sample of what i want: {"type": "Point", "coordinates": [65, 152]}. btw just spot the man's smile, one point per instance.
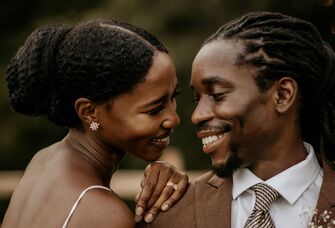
{"type": "Point", "coordinates": [212, 137]}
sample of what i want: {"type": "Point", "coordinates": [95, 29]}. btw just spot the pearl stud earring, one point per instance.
{"type": "Point", "coordinates": [94, 126]}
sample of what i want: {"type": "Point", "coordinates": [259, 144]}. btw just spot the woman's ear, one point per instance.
{"type": "Point", "coordinates": [86, 110]}
{"type": "Point", "coordinates": [286, 94]}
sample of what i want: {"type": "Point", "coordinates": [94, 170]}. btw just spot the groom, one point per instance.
{"type": "Point", "coordinates": [264, 85]}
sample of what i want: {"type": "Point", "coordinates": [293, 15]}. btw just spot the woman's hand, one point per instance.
{"type": "Point", "coordinates": [163, 185]}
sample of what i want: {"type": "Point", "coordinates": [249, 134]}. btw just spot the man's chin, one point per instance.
{"type": "Point", "coordinates": [227, 169]}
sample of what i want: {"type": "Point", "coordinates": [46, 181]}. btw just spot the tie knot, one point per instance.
{"type": "Point", "coordinates": [265, 195]}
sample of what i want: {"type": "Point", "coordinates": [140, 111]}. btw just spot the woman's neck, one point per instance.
{"type": "Point", "coordinates": [103, 159]}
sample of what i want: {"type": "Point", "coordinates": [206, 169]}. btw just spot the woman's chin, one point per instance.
{"type": "Point", "coordinates": [151, 157]}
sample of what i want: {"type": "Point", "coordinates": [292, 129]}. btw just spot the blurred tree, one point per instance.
{"type": "Point", "coordinates": [17, 18]}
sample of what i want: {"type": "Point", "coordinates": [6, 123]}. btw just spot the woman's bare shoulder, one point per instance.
{"type": "Point", "coordinates": [102, 208]}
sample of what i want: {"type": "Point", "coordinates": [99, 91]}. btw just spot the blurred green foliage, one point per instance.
{"type": "Point", "coordinates": [182, 25]}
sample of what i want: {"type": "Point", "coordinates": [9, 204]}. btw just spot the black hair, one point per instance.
{"type": "Point", "coordinates": [98, 59]}
{"type": "Point", "coordinates": [279, 45]}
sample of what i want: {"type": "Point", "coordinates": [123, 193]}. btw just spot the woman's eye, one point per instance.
{"type": "Point", "coordinates": [155, 111]}
{"type": "Point", "coordinates": [176, 93]}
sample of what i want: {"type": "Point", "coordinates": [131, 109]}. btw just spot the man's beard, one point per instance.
{"type": "Point", "coordinates": [232, 164]}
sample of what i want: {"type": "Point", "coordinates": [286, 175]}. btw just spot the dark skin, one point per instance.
{"type": "Point", "coordinates": [156, 175]}
{"type": "Point", "coordinates": [57, 174]}
{"type": "Point", "coordinates": [236, 118]}
{"type": "Point", "coordinates": [59, 167]}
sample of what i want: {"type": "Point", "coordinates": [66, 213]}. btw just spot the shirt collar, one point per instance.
{"type": "Point", "coordinates": [290, 183]}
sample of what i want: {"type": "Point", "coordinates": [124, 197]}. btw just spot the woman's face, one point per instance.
{"type": "Point", "coordinates": [140, 122]}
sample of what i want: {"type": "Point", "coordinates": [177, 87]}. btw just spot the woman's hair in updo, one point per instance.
{"type": "Point", "coordinates": [98, 59]}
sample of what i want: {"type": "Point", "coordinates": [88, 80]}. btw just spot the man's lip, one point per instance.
{"type": "Point", "coordinates": [205, 133]}
{"type": "Point", "coordinates": [211, 147]}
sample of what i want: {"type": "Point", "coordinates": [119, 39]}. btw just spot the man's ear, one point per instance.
{"type": "Point", "coordinates": [286, 94]}
{"type": "Point", "coordinates": [86, 110]}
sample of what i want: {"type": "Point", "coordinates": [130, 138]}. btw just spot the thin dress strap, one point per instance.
{"type": "Point", "coordinates": [79, 198]}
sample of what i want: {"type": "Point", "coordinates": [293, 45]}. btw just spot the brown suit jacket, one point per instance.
{"type": "Point", "coordinates": [207, 203]}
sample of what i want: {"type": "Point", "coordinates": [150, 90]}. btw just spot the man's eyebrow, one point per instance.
{"type": "Point", "coordinates": [209, 81]}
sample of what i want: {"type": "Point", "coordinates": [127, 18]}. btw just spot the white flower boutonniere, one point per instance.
{"type": "Point", "coordinates": [326, 219]}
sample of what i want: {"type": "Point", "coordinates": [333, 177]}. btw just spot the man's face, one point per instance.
{"type": "Point", "coordinates": [235, 121]}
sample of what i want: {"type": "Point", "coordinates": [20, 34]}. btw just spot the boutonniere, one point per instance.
{"type": "Point", "coordinates": [324, 219]}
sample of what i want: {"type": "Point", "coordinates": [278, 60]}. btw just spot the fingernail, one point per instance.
{"type": "Point", "coordinates": [149, 218]}
{"type": "Point", "coordinates": [139, 211]}
{"type": "Point", "coordinates": [165, 207]}
{"type": "Point", "coordinates": [138, 218]}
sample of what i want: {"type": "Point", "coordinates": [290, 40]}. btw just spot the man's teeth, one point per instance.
{"type": "Point", "coordinates": [164, 140]}
{"type": "Point", "coordinates": [210, 139]}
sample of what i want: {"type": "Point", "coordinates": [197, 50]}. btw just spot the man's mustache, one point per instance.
{"type": "Point", "coordinates": [224, 127]}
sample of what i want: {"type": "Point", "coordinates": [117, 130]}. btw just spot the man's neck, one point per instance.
{"type": "Point", "coordinates": [284, 156]}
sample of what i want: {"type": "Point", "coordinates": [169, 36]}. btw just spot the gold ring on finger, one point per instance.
{"type": "Point", "coordinates": [172, 185]}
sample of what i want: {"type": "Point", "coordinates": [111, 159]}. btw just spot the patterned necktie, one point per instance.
{"type": "Point", "coordinates": [260, 216]}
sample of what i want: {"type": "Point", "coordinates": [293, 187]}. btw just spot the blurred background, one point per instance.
{"type": "Point", "coordinates": [182, 25]}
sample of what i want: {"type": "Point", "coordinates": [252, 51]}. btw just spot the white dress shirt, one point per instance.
{"type": "Point", "coordinates": [298, 186]}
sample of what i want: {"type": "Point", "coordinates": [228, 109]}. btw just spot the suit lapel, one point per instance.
{"type": "Point", "coordinates": [326, 199]}
{"type": "Point", "coordinates": [213, 203]}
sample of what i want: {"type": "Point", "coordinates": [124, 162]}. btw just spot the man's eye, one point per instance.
{"type": "Point", "coordinates": [196, 99]}
{"type": "Point", "coordinates": [155, 111]}
{"type": "Point", "coordinates": [218, 96]}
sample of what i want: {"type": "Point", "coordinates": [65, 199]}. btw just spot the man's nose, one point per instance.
{"type": "Point", "coordinates": [202, 112]}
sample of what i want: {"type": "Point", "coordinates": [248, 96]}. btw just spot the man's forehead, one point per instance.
{"type": "Point", "coordinates": [219, 49]}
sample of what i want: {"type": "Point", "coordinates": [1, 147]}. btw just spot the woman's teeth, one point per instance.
{"type": "Point", "coordinates": [164, 140]}
{"type": "Point", "coordinates": [210, 139]}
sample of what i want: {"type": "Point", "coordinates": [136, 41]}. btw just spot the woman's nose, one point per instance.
{"type": "Point", "coordinates": [172, 119]}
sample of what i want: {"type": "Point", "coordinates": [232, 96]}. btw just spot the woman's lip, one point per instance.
{"type": "Point", "coordinates": [161, 142]}
{"type": "Point", "coordinates": [162, 136]}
